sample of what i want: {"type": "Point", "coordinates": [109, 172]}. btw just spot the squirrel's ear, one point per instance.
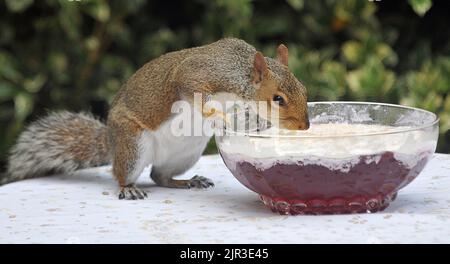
{"type": "Point", "coordinates": [259, 67]}
{"type": "Point", "coordinates": [282, 54]}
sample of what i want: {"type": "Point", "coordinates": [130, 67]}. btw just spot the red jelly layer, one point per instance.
{"type": "Point", "coordinates": [297, 188]}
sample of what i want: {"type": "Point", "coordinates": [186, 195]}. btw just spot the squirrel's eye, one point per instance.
{"type": "Point", "coordinates": [279, 99]}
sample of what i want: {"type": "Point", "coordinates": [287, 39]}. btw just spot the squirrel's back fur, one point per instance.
{"type": "Point", "coordinates": [60, 142]}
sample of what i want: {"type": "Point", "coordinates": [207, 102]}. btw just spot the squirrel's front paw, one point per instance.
{"type": "Point", "coordinates": [131, 192]}
{"type": "Point", "coordinates": [200, 182]}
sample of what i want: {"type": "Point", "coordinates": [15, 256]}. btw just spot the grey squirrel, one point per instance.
{"type": "Point", "coordinates": [137, 131]}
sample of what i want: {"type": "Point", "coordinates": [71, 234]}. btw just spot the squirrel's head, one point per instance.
{"type": "Point", "coordinates": [277, 86]}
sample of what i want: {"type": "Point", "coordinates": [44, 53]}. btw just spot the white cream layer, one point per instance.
{"type": "Point", "coordinates": [337, 153]}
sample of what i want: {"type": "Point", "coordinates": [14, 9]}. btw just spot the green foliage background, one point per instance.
{"type": "Point", "coordinates": [76, 54]}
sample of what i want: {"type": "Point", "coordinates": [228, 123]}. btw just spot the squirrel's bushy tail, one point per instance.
{"type": "Point", "coordinates": [60, 142]}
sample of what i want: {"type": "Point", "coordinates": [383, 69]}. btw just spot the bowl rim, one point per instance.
{"type": "Point", "coordinates": [393, 131]}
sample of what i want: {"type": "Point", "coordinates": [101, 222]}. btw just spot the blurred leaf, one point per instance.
{"type": "Point", "coordinates": [334, 84]}
{"type": "Point", "coordinates": [352, 51]}
{"type": "Point", "coordinates": [33, 85]}
{"type": "Point", "coordinates": [99, 10]}
{"type": "Point", "coordinates": [296, 4]}
{"type": "Point", "coordinates": [385, 53]}
{"type": "Point", "coordinates": [70, 19]}
{"type": "Point", "coordinates": [58, 62]}
{"type": "Point", "coordinates": [159, 42]}
{"type": "Point", "coordinates": [23, 105]}
{"type": "Point", "coordinates": [447, 104]}
{"type": "Point", "coordinates": [371, 81]}
{"type": "Point", "coordinates": [18, 5]}
{"type": "Point", "coordinates": [92, 43]}
{"type": "Point", "coordinates": [420, 6]}
{"type": "Point", "coordinates": [432, 101]}
{"type": "Point", "coordinates": [444, 123]}
{"type": "Point", "coordinates": [353, 10]}
{"type": "Point", "coordinates": [432, 75]}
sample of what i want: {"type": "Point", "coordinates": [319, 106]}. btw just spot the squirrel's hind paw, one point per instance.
{"type": "Point", "coordinates": [131, 192]}
{"type": "Point", "coordinates": [200, 182]}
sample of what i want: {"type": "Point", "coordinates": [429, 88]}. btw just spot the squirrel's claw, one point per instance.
{"type": "Point", "coordinates": [131, 192]}
{"type": "Point", "coordinates": [200, 182]}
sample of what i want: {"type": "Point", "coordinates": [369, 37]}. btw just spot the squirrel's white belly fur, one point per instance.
{"type": "Point", "coordinates": [167, 152]}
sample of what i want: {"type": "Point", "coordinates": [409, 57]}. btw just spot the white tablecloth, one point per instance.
{"type": "Point", "coordinates": [83, 208]}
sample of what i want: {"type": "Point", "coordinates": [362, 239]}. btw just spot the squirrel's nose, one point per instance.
{"type": "Point", "coordinates": [304, 125]}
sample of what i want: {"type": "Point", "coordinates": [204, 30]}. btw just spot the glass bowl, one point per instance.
{"type": "Point", "coordinates": [353, 159]}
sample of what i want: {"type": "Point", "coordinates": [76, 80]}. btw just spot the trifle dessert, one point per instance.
{"type": "Point", "coordinates": [353, 159]}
